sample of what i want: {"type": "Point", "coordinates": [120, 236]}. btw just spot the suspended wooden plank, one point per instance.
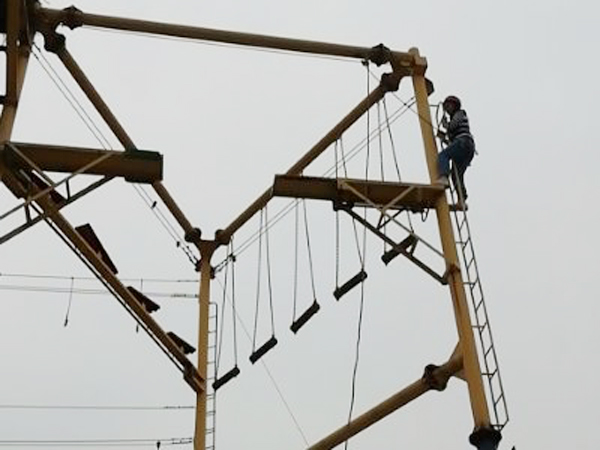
{"type": "Point", "coordinates": [410, 196]}
{"type": "Point", "coordinates": [88, 234]}
{"type": "Point", "coordinates": [148, 304]}
{"type": "Point", "coordinates": [186, 348]}
{"type": "Point", "coordinates": [219, 382]}
{"type": "Point", "coordinates": [263, 349]}
{"type": "Point", "coordinates": [305, 317]}
{"type": "Point", "coordinates": [350, 284]}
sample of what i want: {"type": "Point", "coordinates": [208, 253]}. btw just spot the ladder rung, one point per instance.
{"type": "Point", "coordinates": [489, 374]}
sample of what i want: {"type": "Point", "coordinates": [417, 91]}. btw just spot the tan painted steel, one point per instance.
{"type": "Point", "coordinates": [382, 194]}
{"type": "Point", "coordinates": [13, 29]}
{"type": "Point", "coordinates": [385, 408]}
{"type": "Point", "coordinates": [139, 166]}
{"type": "Point", "coordinates": [334, 134]}
{"type": "Point", "coordinates": [411, 63]}
{"type": "Point", "coordinates": [51, 211]}
{"type": "Point", "coordinates": [74, 18]}
{"type": "Point", "coordinates": [88, 88]}
{"type": "Point", "coordinates": [207, 249]}
{"type": "Point", "coordinates": [472, 369]}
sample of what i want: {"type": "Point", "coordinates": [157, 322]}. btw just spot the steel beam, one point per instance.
{"type": "Point", "coordinates": [396, 401]}
{"type": "Point", "coordinates": [13, 29]}
{"type": "Point", "coordinates": [472, 369]}
{"type": "Point", "coordinates": [136, 166]}
{"type": "Point", "coordinates": [191, 375]}
{"type": "Point", "coordinates": [55, 43]}
{"type": "Point", "coordinates": [73, 18]}
{"type": "Point", "coordinates": [223, 236]}
{"type": "Point", "coordinates": [380, 193]}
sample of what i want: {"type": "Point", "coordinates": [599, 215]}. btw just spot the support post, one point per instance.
{"type": "Point", "coordinates": [468, 349]}
{"type": "Point", "coordinates": [13, 25]}
{"type": "Point", "coordinates": [207, 249]}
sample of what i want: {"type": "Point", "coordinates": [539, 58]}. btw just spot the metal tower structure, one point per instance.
{"type": "Point", "coordinates": [23, 168]}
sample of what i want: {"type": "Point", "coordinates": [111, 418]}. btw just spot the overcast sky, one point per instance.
{"type": "Point", "coordinates": [226, 120]}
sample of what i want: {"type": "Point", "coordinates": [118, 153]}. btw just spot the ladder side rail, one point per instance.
{"type": "Point", "coordinates": [473, 281]}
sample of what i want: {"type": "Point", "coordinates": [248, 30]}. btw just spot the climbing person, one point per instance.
{"type": "Point", "coordinates": [460, 147]}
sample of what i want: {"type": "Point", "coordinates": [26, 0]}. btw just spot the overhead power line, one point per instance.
{"type": "Point", "coordinates": [99, 407]}
{"type": "Point", "coordinates": [97, 442]}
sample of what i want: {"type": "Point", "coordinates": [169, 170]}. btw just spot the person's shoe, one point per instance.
{"type": "Point", "coordinates": [443, 181]}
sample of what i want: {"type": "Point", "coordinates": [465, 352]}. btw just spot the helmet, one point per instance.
{"type": "Point", "coordinates": [452, 99]}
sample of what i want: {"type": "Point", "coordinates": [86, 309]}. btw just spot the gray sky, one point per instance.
{"type": "Point", "coordinates": [226, 120]}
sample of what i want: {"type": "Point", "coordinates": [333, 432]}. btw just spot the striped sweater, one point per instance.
{"type": "Point", "coordinates": [458, 125]}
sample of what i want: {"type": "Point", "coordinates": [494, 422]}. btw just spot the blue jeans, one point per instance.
{"type": "Point", "coordinates": [460, 152]}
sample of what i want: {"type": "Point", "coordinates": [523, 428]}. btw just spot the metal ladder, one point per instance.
{"type": "Point", "coordinates": [485, 343]}
{"type": "Point", "coordinates": [211, 371]}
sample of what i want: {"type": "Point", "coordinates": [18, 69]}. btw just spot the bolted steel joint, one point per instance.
{"type": "Point", "coordinates": [54, 42]}
{"type": "Point", "coordinates": [390, 82]}
{"type": "Point", "coordinates": [193, 235]}
{"type": "Point", "coordinates": [380, 55]}
{"type": "Point", "coordinates": [485, 438]}
{"type": "Point", "coordinates": [435, 378]}
{"type": "Point", "coordinates": [73, 17]}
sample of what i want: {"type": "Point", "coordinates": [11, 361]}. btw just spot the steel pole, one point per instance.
{"type": "Point", "coordinates": [223, 236]}
{"type": "Point", "coordinates": [396, 401]}
{"type": "Point", "coordinates": [206, 250]}
{"type": "Point", "coordinates": [459, 300]}
{"type": "Point", "coordinates": [72, 17]}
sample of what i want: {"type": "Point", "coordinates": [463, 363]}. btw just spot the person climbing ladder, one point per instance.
{"type": "Point", "coordinates": [460, 149]}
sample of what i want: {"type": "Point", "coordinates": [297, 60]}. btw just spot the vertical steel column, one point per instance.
{"type": "Point", "coordinates": [461, 310]}
{"type": "Point", "coordinates": [13, 25]}
{"type": "Point", "coordinates": [207, 249]}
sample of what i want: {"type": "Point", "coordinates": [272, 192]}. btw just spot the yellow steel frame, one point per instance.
{"type": "Point", "coordinates": [24, 17]}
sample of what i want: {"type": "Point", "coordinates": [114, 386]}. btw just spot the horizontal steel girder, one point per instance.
{"type": "Point", "coordinates": [135, 166]}
{"type": "Point", "coordinates": [379, 193]}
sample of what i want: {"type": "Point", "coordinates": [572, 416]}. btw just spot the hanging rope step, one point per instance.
{"type": "Point", "coordinates": [227, 377]}
{"type": "Point", "coordinates": [305, 317]}
{"type": "Point", "coordinates": [263, 349]}
{"type": "Point", "coordinates": [272, 342]}
{"type": "Point", "coordinates": [350, 284]}
{"type": "Point", "coordinates": [407, 245]}
{"type": "Point", "coordinates": [300, 321]}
